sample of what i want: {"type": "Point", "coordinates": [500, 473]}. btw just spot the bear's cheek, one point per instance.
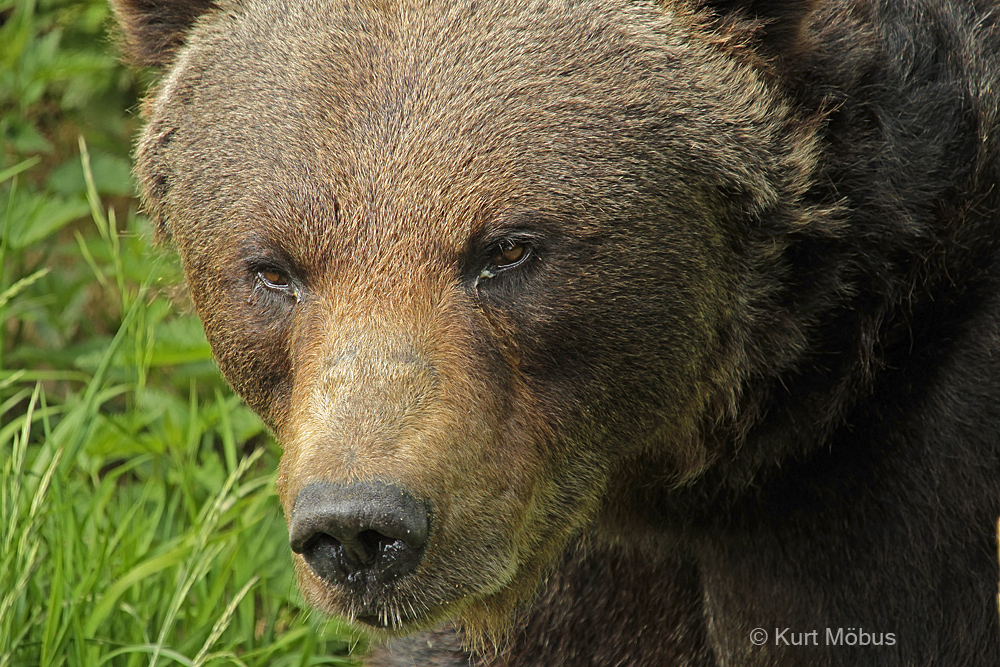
{"type": "Point", "coordinates": [248, 330]}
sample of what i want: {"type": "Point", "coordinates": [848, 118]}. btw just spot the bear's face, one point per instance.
{"type": "Point", "coordinates": [469, 262]}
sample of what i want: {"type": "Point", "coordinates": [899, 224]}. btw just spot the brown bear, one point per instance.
{"type": "Point", "coordinates": [615, 332]}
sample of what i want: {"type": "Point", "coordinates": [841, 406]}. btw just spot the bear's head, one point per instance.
{"type": "Point", "coordinates": [474, 263]}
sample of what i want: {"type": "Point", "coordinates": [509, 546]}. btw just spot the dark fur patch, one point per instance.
{"type": "Point", "coordinates": [153, 30]}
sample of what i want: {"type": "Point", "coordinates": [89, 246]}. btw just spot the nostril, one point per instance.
{"type": "Point", "coordinates": [372, 542]}
{"type": "Point", "coordinates": [324, 555]}
{"type": "Point", "coordinates": [371, 529]}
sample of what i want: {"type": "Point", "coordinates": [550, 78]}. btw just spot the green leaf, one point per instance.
{"type": "Point", "coordinates": [112, 176]}
{"type": "Point", "coordinates": [18, 168]}
{"type": "Point", "coordinates": [35, 216]}
{"type": "Point", "coordinates": [143, 570]}
{"type": "Point", "coordinates": [22, 135]}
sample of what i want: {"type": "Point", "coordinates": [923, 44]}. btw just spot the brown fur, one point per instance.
{"type": "Point", "coordinates": [719, 281]}
{"type": "Point", "coordinates": [469, 431]}
{"type": "Point", "coordinates": [153, 31]}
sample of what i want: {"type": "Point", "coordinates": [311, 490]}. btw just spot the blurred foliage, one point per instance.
{"type": "Point", "coordinates": [59, 80]}
{"type": "Point", "coordinates": [138, 518]}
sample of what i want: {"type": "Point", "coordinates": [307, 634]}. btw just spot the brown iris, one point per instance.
{"type": "Point", "coordinates": [274, 278]}
{"type": "Point", "coordinates": [509, 253]}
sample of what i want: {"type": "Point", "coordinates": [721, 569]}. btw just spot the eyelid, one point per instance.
{"type": "Point", "coordinates": [508, 235]}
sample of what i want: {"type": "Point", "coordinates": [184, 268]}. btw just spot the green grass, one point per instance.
{"type": "Point", "coordinates": [138, 519]}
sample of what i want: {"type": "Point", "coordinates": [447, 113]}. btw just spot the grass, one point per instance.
{"type": "Point", "coordinates": [138, 518]}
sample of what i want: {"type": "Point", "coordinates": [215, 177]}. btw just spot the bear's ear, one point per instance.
{"type": "Point", "coordinates": [154, 29]}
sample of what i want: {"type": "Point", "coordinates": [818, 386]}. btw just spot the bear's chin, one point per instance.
{"type": "Point", "coordinates": [487, 614]}
{"type": "Point", "coordinates": [389, 614]}
{"type": "Point", "coordinates": [403, 607]}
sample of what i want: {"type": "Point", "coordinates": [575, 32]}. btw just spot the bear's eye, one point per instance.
{"type": "Point", "coordinates": [509, 253]}
{"type": "Point", "coordinates": [272, 278]}
{"type": "Point", "coordinates": [277, 281]}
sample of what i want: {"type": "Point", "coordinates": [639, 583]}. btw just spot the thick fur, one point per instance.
{"type": "Point", "coordinates": [747, 376]}
{"type": "Point", "coordinates": [153, 30]}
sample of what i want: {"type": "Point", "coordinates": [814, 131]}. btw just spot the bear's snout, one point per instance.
{"type": "Point", "coordinates": [362, 535]}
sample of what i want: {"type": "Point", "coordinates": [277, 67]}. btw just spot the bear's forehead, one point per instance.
{"type": "Point", "coordinates": [423, 119]}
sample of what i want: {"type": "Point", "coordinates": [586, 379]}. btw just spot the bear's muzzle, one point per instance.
{"type": "Point", "coordinates": [362, 536]}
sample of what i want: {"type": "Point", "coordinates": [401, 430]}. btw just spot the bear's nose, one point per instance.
{"type": "Point", "coordinates": [359, 535]}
